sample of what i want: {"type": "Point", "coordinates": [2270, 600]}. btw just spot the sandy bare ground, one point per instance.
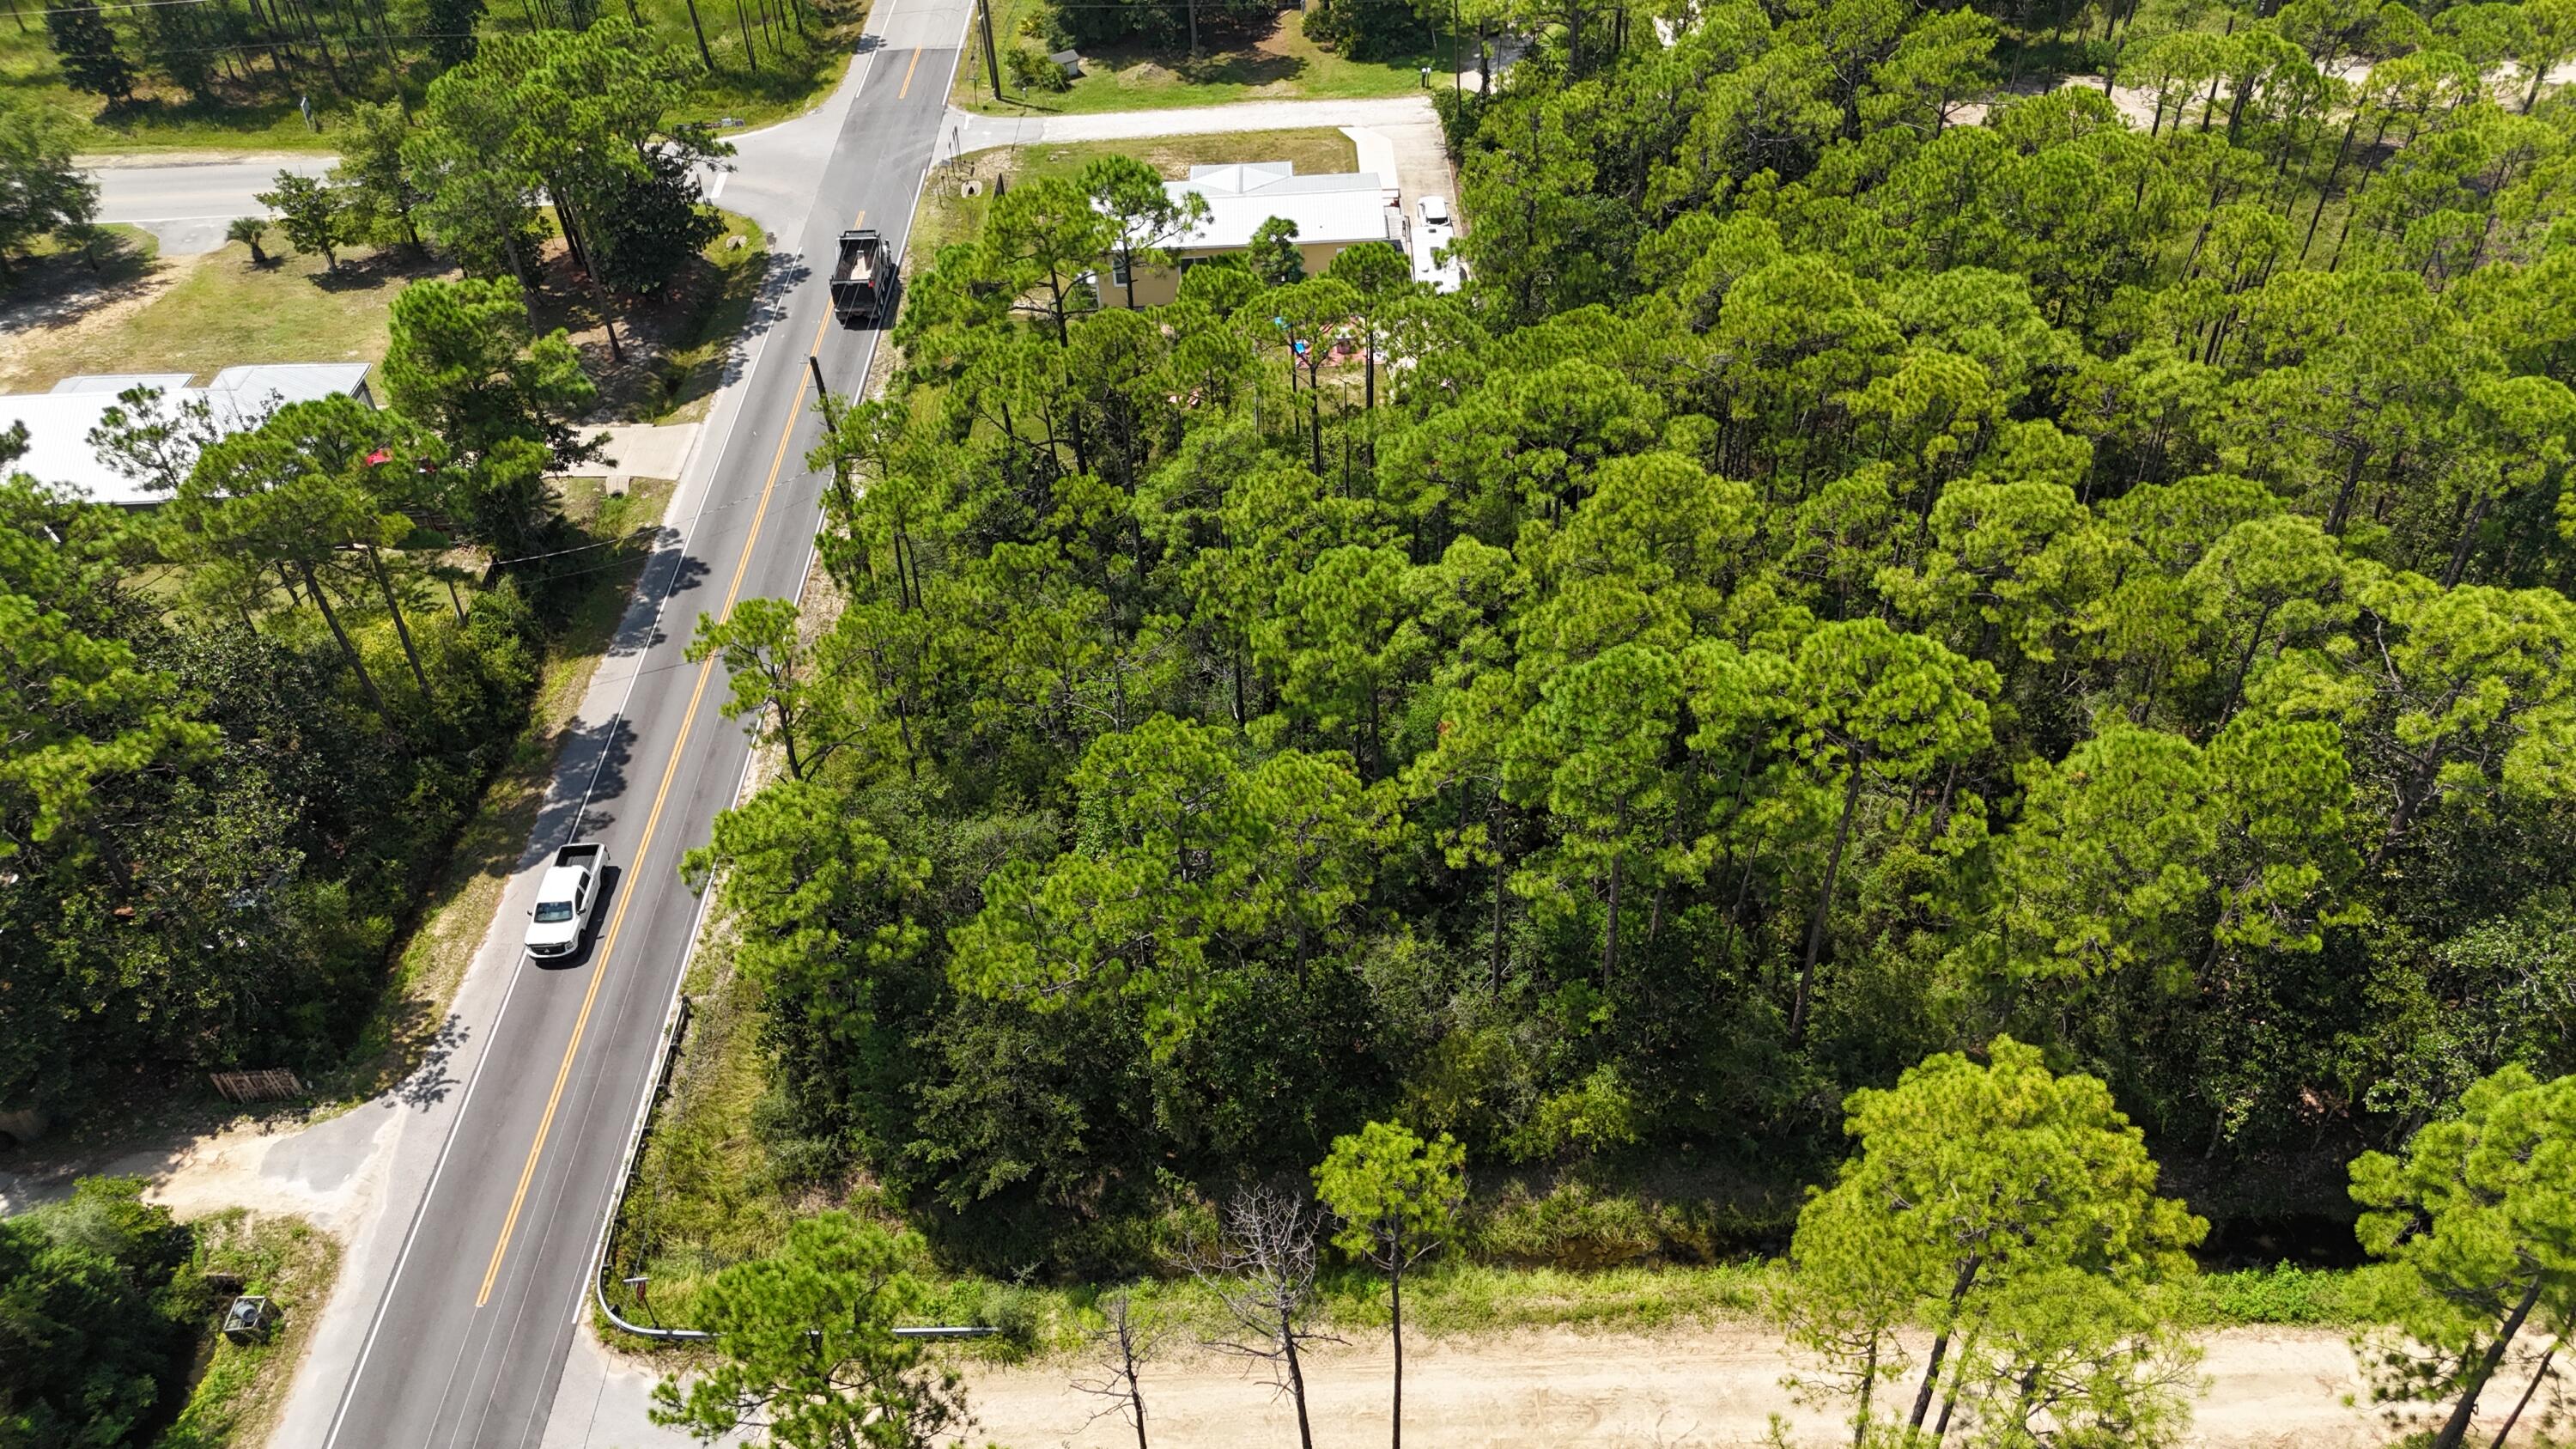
{"type": "Point", "coordinates": [83, 307]}
{"type": "Point", "coordinates": [2268, 1389]}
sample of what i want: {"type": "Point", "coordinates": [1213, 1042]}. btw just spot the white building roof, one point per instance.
{"type": "Point", "coordinates": [1340, 208]}
{"type": "Point", "coordinates": [294, 381]}
{"type": "Point", "coordinates": [116, 382]}
{"type": "Point", "coordinates": [59, 422]}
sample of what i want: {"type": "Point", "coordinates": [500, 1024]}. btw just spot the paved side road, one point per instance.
{"type": "Point", "coordinates": [186, 205]}
{"type": "Point", "coordinates": [977, 133]}
{"type": "Point", "coordinates": [187, 202]}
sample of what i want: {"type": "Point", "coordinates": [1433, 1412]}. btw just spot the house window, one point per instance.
{"type": "Point", "coordinates": [1118, 269]}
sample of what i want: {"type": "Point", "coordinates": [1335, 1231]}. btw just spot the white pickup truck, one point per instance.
{"type": "Point", "coordinates": [566, 899]}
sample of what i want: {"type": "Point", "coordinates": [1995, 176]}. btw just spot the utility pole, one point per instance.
{"type": "Point", "coordinates": [992, 57]}
{"type": "Point", "coordinates": [832, 425]}
{"type": "Point", "coordinates": [822, 393]}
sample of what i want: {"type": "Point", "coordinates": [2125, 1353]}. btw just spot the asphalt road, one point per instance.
{"type": "Point", "coordinates": [468, 1344]}
{"type": "Point", "coordinates": [188, 206]}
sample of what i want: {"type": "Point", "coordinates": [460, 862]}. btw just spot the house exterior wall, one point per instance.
{"type": "Point", "coordinates": [1156, 286]}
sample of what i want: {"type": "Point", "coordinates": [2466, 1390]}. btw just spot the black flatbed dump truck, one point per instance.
{"type": "Point", "coordinates": [862, 278]}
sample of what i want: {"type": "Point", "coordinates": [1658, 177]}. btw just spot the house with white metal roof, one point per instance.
{"type": "Point", "coordinates": [1331, 211]}
{"type": "Point", "coordinates": [238, 398]}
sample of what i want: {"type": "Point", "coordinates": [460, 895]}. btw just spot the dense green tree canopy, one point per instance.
{"type": "Point", "coordinates": [1854, 575]}
{"type": "Point", "coordinates": [41, 191]}
{"type": "Point", "coordinates": [99, 1311]}
{"type": "Point", "coordinates": [806, 1358]}
{"type": "Point", "coordinates": [239, 731]}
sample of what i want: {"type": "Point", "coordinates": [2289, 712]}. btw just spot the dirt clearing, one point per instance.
{"type": "Point", "coordinates": [2269, 1389]}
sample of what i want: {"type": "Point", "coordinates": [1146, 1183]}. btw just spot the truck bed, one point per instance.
{"type": "Point", "coordinates": [857, 261]}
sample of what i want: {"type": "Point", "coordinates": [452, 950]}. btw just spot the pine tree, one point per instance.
{"type": "Point", "coordinates": [86, 45]}
{"type": "Point", "coordinates": [451, 31]}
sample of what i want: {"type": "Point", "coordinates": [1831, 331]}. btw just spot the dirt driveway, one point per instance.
{"type": "Point", "coordinates": [2269, 1389]}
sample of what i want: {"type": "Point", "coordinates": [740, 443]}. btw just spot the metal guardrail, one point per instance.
{"type": "Point", "coordinates": [674, 1027]}
{"type": "Point", "coordinates": [675, 1022]}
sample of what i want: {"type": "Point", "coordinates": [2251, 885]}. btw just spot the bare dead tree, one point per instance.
{"type": "Point", "coordinates": [1125, 1343]}
{"type": "Point", "coordinates": [1263, 1272]}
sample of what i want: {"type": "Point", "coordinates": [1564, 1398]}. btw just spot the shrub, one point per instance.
{"type": "Point", "coordinates": [101, 1311]}
{"type": "Point", "coordinates": [1033, 71]}
{"type": "Point", "coordinates": [1367, 29]}
{"type": "Point", "coordinates": [2281, 1294]}
{"type": "Point", "coordinates": [1460, 112]}
{"type": "Point", "coordinates": [1572, 1225]}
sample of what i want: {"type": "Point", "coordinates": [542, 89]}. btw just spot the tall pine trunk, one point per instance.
{"type": "Point", "coordinates": [402, 630]}
{"type": "Point", "coordinates": [1824, 906]}
{"type": "Point", "coordinates": [2455, 1430]}
{"type": "Point", "coordinates": [1395, 1319]}
{"type": "Point", "coordinates": [1941, 1342]}
{"type": "Point", "coordinates": [348, 650]}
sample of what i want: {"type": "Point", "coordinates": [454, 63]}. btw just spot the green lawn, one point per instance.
{"type": "Point", "coordinates": [203, 313]}
{"type": "Point", "coordinates": [49, 277]}
{"type": "Point", "coordinates": [142, 313]}
{"type": "Point", "coordinates": [761, 73]}
{"type": "Point", "coordinates": [1278, 66]}
{"type": "Point", "coordinates": [947, 215]}
{"type": "Point", "coordinates": [154, 122]}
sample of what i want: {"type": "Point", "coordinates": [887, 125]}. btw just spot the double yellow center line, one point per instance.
{"type": "Point", "coordinates": [626, 893]}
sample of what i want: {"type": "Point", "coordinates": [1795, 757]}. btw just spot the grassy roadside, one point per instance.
{"type": "Point", "coordinates": [1274, 63]}
{"type": "Point", "coordinates": [1461, 1297]}
{"type": "Point", "coordinates": [411, 1020]}
{"type": "Point", "coordinates": [693, 355]}
{"type": "Point", "coordinates": [795, 57]}
{"type": "Point", "coordinates": [706, 1193]}
{"type": "Point", "coordinates": [240, 1388]}
{"type": "Point", "coordinates": [709, 1193]}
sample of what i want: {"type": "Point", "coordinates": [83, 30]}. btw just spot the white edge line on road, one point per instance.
{"type": "Point", "coordinates": [671, 1009]}
{"type": "Point", "coordinates": [175, 220]}
{"type": "Point", "coordinates": [411, 1233]}
{"type": "Point", "coordinates": [492, 1034]}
